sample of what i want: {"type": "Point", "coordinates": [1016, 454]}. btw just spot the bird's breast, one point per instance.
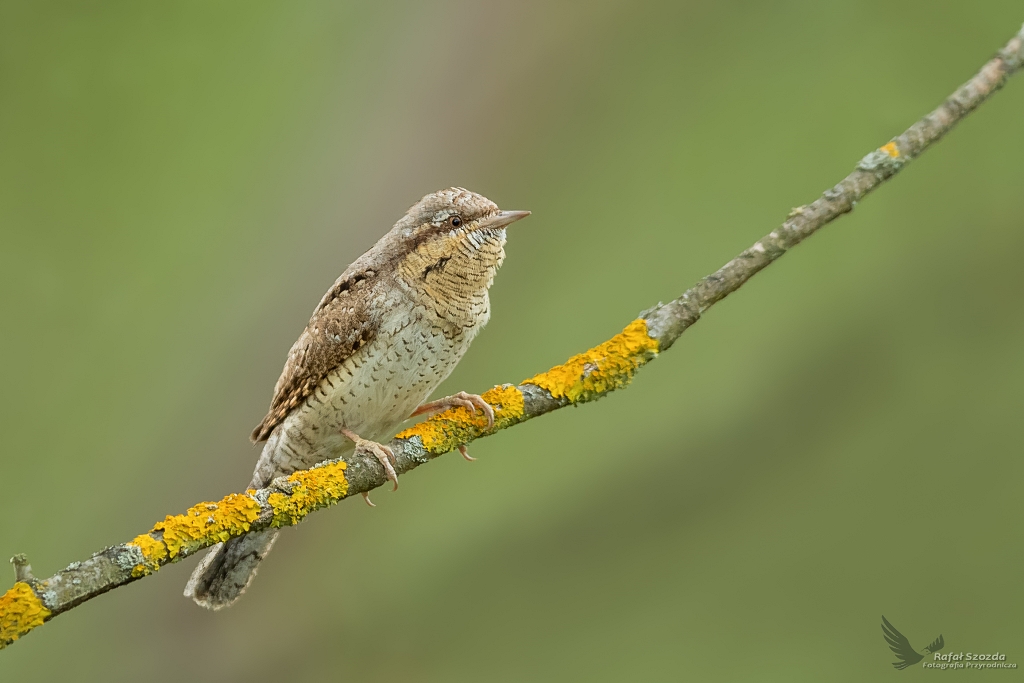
{"type": "Point", "coordinates": [372, 392]}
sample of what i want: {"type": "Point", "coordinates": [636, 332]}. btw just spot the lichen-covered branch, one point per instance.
{"type": "Point", "coordinates": [585, 377]}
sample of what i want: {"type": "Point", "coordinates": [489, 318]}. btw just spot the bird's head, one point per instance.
{"type": "Point", "coordinates": [454, 243]}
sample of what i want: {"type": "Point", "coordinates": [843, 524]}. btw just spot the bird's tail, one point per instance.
{"type": "Point", "coordinates": [223, 575]}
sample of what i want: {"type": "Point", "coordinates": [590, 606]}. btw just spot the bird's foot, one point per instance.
{"type": "Point", "coordinates": [385, 456]}
{"type": "Point", "coordinates": [471, 402]}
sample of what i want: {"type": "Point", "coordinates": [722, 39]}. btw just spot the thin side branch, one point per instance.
{"type": "Point", "coordinates": [22, 569]}
{"type": "Point", "coordinates": [585, 377]}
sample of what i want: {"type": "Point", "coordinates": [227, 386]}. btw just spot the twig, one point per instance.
{"type": "Point", "coordinates": [583, 378]}
{"type": "Point", "coordinates": [22, 569]}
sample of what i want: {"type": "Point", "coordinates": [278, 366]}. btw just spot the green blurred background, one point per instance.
{"type": "Point", "coordinates": [180, 183]}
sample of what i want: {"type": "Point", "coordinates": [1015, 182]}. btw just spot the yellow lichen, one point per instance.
{"type": "Point", "coordinates": [153, 551]}
{"type": "Point", "coordinates": [311, 490]}
{"type": "Point", "coordinates": [601, 369]}
{"type": "Point", "coordinates": [207, 523]}
{"type": "Point", "coordinates": [21, 610]}
{"type": "Point", "coordinates": [588, 375]}
{"type": "Point", "coordinates": [891, 149]}
{"type": "Point", "coordinates": [459, 425]}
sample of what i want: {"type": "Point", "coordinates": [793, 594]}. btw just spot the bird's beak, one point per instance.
{"type": "Point", "coordinates": [500, 219]}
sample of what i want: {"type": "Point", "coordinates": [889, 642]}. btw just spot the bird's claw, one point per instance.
{"type": "Point", "coordinates": [385, 456]}
{"type": "Point", "coordinates": [471, 402]}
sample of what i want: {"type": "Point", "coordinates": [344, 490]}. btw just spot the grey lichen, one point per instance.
{"type": "Point", "coordinates": [127, 557]}
{"type": "Point", "coordinates": [882, 162]}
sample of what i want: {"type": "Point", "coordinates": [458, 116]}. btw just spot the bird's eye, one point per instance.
{"type": "Point", "coordinates": [456, 221]}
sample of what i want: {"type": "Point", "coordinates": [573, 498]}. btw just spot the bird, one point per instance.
{"type": "Point", "coordinates": [902, 648]}
{"type": "Point", "coordinates": [381, 340]}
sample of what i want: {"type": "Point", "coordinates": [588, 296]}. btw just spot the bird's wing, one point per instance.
{"type": "Point", "coordinates": [900, 646]}
{"type": "Point", "coordinates": [937, 644]}
{"type": "Point", "coordinates": [342, 323]}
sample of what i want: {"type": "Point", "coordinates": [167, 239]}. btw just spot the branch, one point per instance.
{"type": "Point", "coordinates": [583, 378]}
